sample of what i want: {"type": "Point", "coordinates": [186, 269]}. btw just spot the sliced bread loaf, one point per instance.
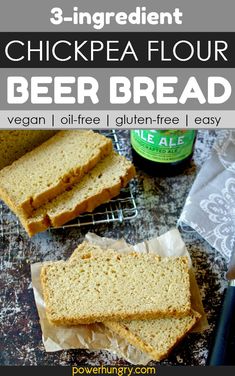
{"type": "Point", "coordinates": [155, 337]}
{"type": "Point", "coordinates": [51, 168]}
{"type": "Point", "coordinates": [99, 287]}
{"type": "Point", "coordinates": [14, 144]}
{"type": "Point", "coordinates": [97, 187]}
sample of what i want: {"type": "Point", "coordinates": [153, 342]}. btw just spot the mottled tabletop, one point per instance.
{"type": "Point", "coordinates": [160, 202]}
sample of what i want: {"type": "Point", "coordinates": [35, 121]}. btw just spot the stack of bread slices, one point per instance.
{"type": "Point", "coordinates": [71, 173]}
{"type": "Point", "coordinates": [143, 298]}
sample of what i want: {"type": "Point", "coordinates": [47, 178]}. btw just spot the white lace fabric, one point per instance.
{"type": "Point", "coordinates": [210, 206]}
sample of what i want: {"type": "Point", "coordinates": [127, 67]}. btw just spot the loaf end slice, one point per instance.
{"type": "Point", "coordinates": [98, 288]}
{"type": "Point", "coordinates": [156, 337]}
{"type": "Point", "coordinates": [100, 185]}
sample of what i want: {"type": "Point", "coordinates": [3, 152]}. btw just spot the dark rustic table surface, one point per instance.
{"type": "Point", "coordinates": [160, 202]}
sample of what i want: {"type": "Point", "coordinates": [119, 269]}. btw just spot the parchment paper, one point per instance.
{"type": "Point", "coordinates": [97, 336]}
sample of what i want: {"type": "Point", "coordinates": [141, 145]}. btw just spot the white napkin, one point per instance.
{"type": "Point", "coordinates": [210, 205]}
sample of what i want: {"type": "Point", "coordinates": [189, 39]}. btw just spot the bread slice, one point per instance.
{"type": "Point", "coordinates": [86, 248]}
{"type": "Point", "coordinates": [155, 337]}
{"type": "Point", "coordinates": [99, 186]}
{"type": "Point", "coordinates": [14, 144]}
{"type": "Point", "coordinates": [51, 168]}
{"type": "Point", "coordinates": [100, 287]}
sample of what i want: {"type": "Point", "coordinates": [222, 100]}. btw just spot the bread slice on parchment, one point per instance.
{"type": "Point", "coordinates": [102, 287]}
{"type": "Point", "coordinates": [50, 169]}
{"type": "Point", "coordinates": [98, 186]}
{"type": "Point", "coordinates": [155, 337]}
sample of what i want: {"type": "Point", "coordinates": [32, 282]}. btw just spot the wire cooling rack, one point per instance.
{"type": "Point", "coordinates": [120, 209]}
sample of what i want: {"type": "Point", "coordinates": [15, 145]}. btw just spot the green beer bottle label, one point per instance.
{"type": "Point", "coordinates": [163, 146]}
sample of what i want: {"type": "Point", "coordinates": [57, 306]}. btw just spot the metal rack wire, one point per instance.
{"type": "Point", "coordinates": [120, 209]}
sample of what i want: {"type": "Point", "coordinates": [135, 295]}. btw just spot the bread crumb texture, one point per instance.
{"type": "Point", "coordinates": [14, 144]}
{"type": "Point", "coordinates": [100, 287]}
